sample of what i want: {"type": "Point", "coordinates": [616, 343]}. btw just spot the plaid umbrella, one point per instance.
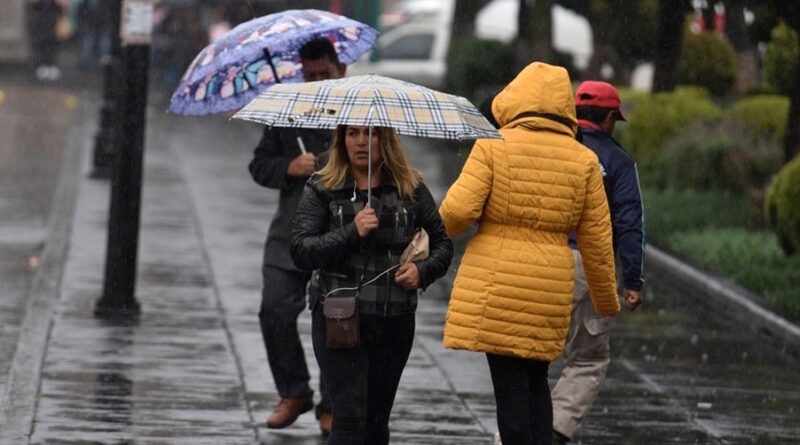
{"type": "Point", "coordinates": [369, 101]}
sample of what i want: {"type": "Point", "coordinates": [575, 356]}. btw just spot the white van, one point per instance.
{"type": "Point", "coordinates": [416, 50]}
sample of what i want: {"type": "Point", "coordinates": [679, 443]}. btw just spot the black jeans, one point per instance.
{"type": "Point", "coordinates": [362, 381]}
{"type": "Point", "coordinates": [524, 409]}
{"type": "Point", "coordinates": [282, 300]}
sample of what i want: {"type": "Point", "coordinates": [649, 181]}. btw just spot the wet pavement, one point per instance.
{"type": "Point", "coordinates": [192, 368]}
{"type": "Point", "coordinates": [33, 124]}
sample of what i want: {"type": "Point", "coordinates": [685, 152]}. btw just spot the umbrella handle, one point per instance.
{"type": "Point", "coordinates": [268, 56]}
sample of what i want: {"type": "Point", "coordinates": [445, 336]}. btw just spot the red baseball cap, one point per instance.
{"type": "Point", "coordinates": [594, 93]}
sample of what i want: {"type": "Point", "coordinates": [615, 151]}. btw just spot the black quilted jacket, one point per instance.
{"type": "Point", "coordinates": [325, 240]}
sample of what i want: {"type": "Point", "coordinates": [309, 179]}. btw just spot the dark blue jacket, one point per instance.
{"type": "Point", "coordinates": [621, 180]}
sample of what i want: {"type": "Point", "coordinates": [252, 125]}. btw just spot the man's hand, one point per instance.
{"type": "Point", "coordinates": [366, 221]}
{"type": "Point", "coordinates": [633, 298]}
{"type": "Point", "coordinates": [407, 276]}
{"type": "Point", "coordinates": [302, 166]}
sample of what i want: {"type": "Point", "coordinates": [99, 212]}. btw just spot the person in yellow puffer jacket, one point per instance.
{"type": "Point", "coordinates": [512, 294]}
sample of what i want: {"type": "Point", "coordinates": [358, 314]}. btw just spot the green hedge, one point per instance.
{"type": "Point", "coordinates": [658, 117]}
{"type": "Point", "coordinates": [718, 155]}
{"type": "Point", "coordinates": [715, 230]}
{"type": "Point", "coordinates": [478, 67]}
{"type": "Point", "coordinates": [781, 58]}
{"type": "Point", "coordinates": [782, 206]}
{"type": "Point", "coordinates": [708, 61]}
{"type": "Point", "coordinates": [763, 115]}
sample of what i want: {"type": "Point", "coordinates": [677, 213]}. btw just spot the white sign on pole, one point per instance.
{"type": "Point", "coordinates": [137, 22]}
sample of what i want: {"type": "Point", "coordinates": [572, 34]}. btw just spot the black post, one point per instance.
{"type": "Point", "coordinates": [107, 138]}
{"type": "Point", "coordinates": [126, 186]}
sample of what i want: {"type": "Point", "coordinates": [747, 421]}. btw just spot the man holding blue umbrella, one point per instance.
{"type": "Point", "coordinates": [284, 159]}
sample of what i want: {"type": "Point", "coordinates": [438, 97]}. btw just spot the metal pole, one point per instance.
{"type": "Point", "coordinates": [107, 137]}
{"type": "Point", "coordinates": [126, 185]}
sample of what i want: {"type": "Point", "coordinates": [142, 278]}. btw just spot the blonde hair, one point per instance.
{"type": "Point", "coordinates": [337, 169]}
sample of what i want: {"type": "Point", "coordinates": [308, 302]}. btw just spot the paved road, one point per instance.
{"type": "Point", "coordinates": [193, 370]}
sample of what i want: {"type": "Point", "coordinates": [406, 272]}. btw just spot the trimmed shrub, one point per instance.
{"type": "Point", "coordinates": [708, 61]}
{"type": "Point", "coordinates": [782, 206]}
{"type": "Point", "coordinates": [763, 115]}
{"type": "Point", "coordinates": [478, 67]}
{"type": "Point", "coordinates": [781, 58]}
{"type": "Point", "coordinates": [720, 155]}
{"type": "Point", "coordinates": [659, 117]}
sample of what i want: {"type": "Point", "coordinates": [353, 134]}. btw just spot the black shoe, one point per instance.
{"type": "Point", "coordinates": [559, 439]}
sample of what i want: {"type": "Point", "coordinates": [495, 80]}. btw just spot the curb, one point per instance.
{"type": "Point", "coordinates": [723, 300]}
{"type": "Point", "coordinates": [18, 403]}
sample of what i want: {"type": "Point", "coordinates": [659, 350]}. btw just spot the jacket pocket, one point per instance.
{"type": "Point", "coordinates": [599, 325]}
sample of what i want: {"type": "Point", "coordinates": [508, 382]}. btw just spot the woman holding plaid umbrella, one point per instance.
{"type": "Point", "coordinates": [352, 244]}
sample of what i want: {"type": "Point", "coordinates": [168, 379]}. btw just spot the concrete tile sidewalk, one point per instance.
{"type": "Point", "coordinates": [192, 369]}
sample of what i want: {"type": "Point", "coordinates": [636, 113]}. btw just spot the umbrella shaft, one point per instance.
{"type": "Point", "coordinates": [268, 56]}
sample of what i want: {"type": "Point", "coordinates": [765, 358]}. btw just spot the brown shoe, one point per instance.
{"type": "Point", "coordinates": [325, 423]}
{"type": "Point", "coordinates": [288, 410]}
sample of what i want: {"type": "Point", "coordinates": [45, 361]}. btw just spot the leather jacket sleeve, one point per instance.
{"type": "Point", "coordinates": [271, 160]}
{"type": "Point", "coordinates": [441, 248]}
{"type": "Point", "coordinates": [314, 244]}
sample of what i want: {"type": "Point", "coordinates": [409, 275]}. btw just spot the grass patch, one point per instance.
{"type": "Point", "coordinates": [671, 211]}
{"type": "Point", "coordinates": [718, 232]}
{"type": "Point", "coordinates": [752, 259]}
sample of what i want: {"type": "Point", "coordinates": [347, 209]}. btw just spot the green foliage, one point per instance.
{"type": "Point", "coordinates": [479, 67]}
{"type": "Point", "coordinates": [763, 115]}
{"type": "Point", "coordinates": [781, 59]}
{"type": "Point", "coordinates": [719, 155]}
{"type": "Point", "coordinates": [782, 206]}
{"type": "Point", "coordinates": [751, 259]}
{"type": "Point", "coordinates": [674, 211]}
{"type": "Point", "coordinates": [708, 61]}
{"type": "Point", "coordinates": [658, 117]}
{"type": "Point", "coordinates": [715, 230]}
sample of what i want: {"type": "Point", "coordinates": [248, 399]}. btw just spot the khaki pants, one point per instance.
{"type": "Point", "coordinates": [587, 357]}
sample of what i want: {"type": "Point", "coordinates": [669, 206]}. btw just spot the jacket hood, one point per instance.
{"type": "Point", "coordinates": [541, 95]}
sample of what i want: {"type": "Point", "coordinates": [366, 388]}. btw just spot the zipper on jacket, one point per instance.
{"type": "Point", "coordinates": [341, 218]}
{"type": "Point", "coordinates": [389, 263]}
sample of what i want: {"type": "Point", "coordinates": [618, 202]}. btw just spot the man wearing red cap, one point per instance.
{"type": "Point", "coordinates": [587, 349]}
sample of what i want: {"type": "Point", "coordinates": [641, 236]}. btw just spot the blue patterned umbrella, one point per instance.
{"type": "Point", "coordinates": [231, 71]}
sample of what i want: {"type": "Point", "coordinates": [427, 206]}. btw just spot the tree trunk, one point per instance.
{"type": "Point", "coordinates": [464, 19]}
{"type": "Point", "coordinates": [746, 55]}
{"type": "Point", "coordinates": [534, 35]}
{"type": "Point", "coordinates": [463, 27]}
{"type": "Point", "coordinates": [791, 143]}
{"type": "Point", "coordinates": [671, 18]}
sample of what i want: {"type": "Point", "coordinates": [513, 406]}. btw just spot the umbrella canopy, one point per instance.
{"type": "Point", "coordinates": [369, 101]}
{"type": "Point", "coordinates": [232, 70]}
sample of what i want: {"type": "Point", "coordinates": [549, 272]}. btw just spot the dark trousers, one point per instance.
{"type": "Point", "coordinates": [282, 300]}
{"type": "Point", "coordinates": [524, 409]}
{"type": "Point", "coordinates": [362, 381]}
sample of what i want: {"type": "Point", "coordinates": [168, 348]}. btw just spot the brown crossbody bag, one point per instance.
{"type": "Point", "coordinates": [341, 314]}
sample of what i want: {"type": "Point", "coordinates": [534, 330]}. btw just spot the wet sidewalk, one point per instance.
{"type": "Point", "coordinates": [192, 369]}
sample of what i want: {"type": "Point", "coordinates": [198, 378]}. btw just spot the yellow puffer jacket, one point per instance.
{"type": "Point", "coordinates": [513, 291]}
